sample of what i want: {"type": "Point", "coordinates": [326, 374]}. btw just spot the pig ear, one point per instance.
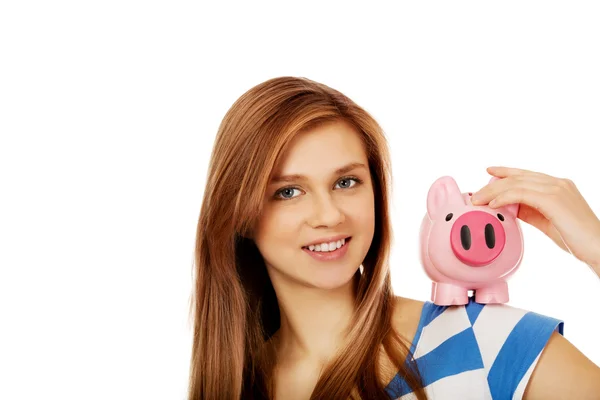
{"type": "Point", "coordinates": [512, 209]}
{"type": "Point", "coordinates": [443, 191]}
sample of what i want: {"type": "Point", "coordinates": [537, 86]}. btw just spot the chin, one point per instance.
{"type": "Point", "coordinates": [332, 278]}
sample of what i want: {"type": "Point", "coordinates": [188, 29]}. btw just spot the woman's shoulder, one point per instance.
{"type": "Point", "coordinates": [491, 326]}
{"type": "Point", "coordinates": [418, 314]}
{"type": "Point", "coordinates": [500, 342]}
{"type": "Point", "coordinates": [488, 319]}
{"type": "Point", "coordinates": [407, 316]}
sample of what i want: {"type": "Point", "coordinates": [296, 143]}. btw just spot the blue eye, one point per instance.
{"type": "Point", "coordinates": [347, 180]}
{"type": "Point", "coordinates": [290, 189]}
{"type": "Point", "coordinates": [286, 190]}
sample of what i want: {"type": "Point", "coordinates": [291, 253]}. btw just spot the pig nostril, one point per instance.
{"type": "Point", "coordinates": [449, 217]}
{"type": "Point", "coordinates": [465, 237]}
{"type": "Point", "coordinates": [501, 217]}
{"type": "Point", "coordinates": [490, 236]}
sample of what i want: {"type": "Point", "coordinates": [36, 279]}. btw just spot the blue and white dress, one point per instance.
{"type": "Point", "coordinates": [476, 351]}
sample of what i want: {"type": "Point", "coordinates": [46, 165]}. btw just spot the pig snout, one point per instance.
{"type": "Point", "coordinates": [477, 238]}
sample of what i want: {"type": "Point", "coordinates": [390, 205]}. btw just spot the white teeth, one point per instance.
{"type": "Point", "coordinates": [326, 247]}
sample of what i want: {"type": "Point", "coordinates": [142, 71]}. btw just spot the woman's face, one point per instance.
{"type": "Point", "coordinates": [320, 204]}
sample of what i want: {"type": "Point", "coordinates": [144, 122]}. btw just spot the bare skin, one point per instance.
{"type": "Point", "coordinates": [296, 380]}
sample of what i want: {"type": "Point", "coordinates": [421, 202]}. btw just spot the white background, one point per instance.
{"type": "Point", "coordinates": [108, 111]}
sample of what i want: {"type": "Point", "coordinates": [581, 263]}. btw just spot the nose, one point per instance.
{"type": "Point", "coordinates": [477, 238]}
{"type": "Point", "coordinates": [326, 213]}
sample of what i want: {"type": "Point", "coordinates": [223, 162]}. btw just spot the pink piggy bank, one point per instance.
{"type": "Point", "coordinates": [465, 247]}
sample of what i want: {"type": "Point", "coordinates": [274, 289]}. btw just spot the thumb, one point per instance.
{"type": "Point", "coordinates": [536, 219]}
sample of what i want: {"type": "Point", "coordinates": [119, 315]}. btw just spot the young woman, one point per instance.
{"type": "Point", "coordinates": [293, 296]}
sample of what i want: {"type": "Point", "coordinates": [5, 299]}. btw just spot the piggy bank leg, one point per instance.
{"type": "Point", "coordinates": [496, 293]}
{"type": "Point", "coordinates": [447, 294]}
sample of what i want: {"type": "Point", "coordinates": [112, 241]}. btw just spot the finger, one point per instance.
{"type": "Point", "coordinates": [536, 219]}
{"type": "Point", "coordinates": [535, 199]}
{"type": "Point", "coordinates": [494, 189]}
{"type": "Point", "coordinates": [502, 172]}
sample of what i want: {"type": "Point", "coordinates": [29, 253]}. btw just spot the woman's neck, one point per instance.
{"type": "Point", "coordinates": [313, 321]}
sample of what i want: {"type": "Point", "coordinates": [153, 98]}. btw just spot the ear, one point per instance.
{"type": "Point", "coordinates": [512, 209]}
{"type": "Point", "coordinates": [442, 192]}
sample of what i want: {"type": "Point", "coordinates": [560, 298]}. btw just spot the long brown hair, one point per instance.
{"type": "Point", "coordinates": [234, 305]}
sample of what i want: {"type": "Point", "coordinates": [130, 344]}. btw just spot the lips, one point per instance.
{"type": "Point", "coordinates": [329, 256]}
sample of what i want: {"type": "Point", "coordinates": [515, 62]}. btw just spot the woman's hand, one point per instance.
{"type": "Point", "coordinates": [552, 205]}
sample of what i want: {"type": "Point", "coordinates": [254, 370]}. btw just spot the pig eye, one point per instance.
{"type": "Point", "coordinates": [449, 217]}
{"type": "Point", "coordinates": [500, 217]}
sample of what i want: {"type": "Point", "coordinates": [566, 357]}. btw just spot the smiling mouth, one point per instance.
{"type": "Point", "coordinates": [346, 240]}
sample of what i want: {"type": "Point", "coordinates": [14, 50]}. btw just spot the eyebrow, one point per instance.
{"type": "Point", "coordinates": [298, 177]}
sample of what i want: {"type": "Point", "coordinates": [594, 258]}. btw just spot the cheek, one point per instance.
{"type": "Point", "coordinates": [361, 210]}
{"type": "Point", "coordinates": [276, 237]}
{"type": "Point", "coordinates": [278, 228]}
{"type": "Point", "coordinates": [360, 220]}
